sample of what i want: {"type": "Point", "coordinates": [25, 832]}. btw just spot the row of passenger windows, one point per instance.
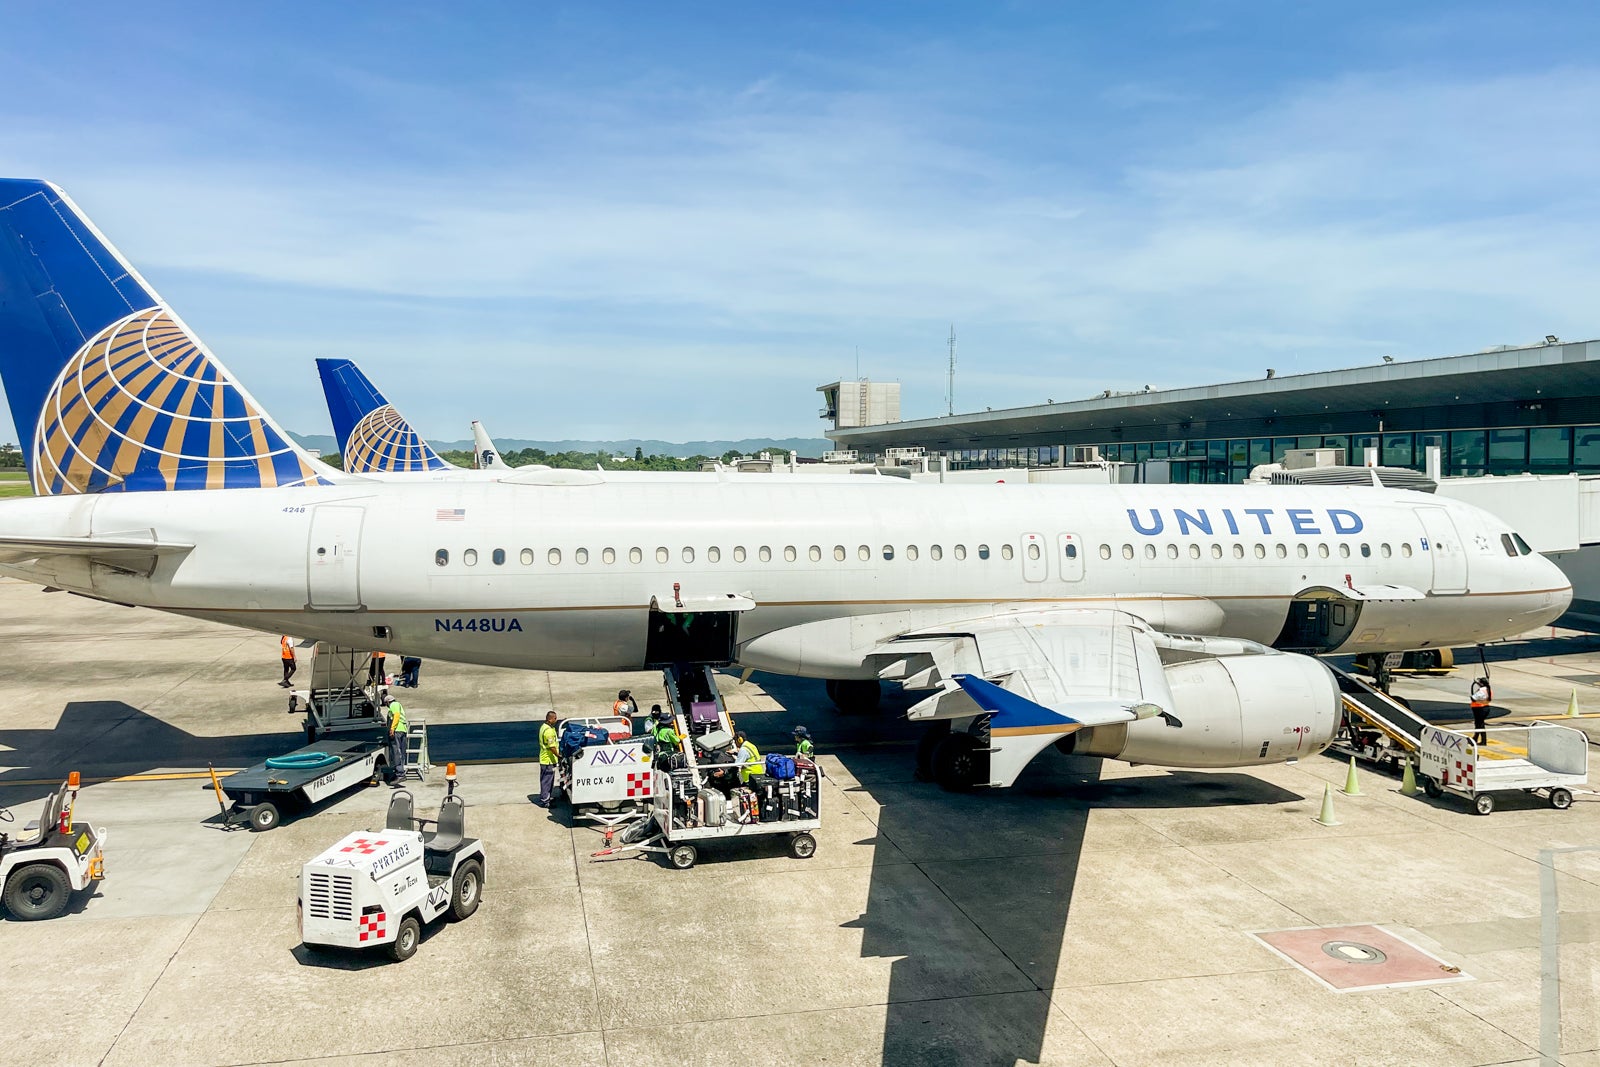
{"type": "Point", "coordinates": [1259, 550]}
{"type": "Point", "coordinates": [764, 554]}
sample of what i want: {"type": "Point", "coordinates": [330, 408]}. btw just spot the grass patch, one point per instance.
{"type": "Point", "coordinates": [10, 487]}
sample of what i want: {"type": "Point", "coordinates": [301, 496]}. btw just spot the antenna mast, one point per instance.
{"type": "Point", "coordinates": [950, 376]}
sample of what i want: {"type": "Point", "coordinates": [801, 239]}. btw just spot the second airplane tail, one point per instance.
{"type": "Point", "coordinates": [109, 389]}
{"type": "Point", "coordinates": [373, 437]}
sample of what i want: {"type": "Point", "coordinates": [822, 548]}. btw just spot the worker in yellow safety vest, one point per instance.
{"type": "Point", "coordinates": [802, 742]}
{"type": "Point", "coordinates": [748, 757]}
{"type": "Point", "coordinates": [398, 728]}
{"type": "Point", "coordinates": [547, 758]}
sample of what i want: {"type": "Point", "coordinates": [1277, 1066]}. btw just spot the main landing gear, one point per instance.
{"type": "Point", "coordinates": [957, 760]}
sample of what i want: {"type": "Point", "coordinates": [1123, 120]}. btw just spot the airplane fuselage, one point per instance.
{"type": "Point", "coordinates": [561, 577]}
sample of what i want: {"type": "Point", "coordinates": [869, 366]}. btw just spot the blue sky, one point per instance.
{"type": "Point", "coordinates": [675, 221]}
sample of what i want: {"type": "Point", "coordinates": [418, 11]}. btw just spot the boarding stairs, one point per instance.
{"type": "Point", "coordinates": [1375, 726]}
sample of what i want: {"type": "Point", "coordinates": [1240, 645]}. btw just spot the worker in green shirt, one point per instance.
{"type": "Point", "coordinates": [748, 756]}
{"type": "Point", "coordinates": [802, 742]}
{"type": "Point", "coordinates": [667, 739]}
{"type": "Point", "coordinates": [547, 758]}
{"type": "Point", "coordinates": [397, 727]}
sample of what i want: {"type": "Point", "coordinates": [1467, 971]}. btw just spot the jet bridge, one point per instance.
{"type": "Point", "coordinates": [1375, 726]}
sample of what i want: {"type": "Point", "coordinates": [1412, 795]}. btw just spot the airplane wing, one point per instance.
{"type": "Point", "coordinates": [129, 552]}
{"type": "Point", "coordinates": [1043, 675]}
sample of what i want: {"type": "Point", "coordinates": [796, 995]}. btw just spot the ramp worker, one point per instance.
{"type": "Point", "coordinates": [410, 667]}
{"type": "Point", "coordinates": [802, 742]}
{"type": "Point", "coordinates": [749, 757]}
{"type": "Point", "coordinates": [1481, 695]}
{"type": "Point", "coordinates": [624, 704]}
{"type": "Point", "coordinates": [375, 668]}
{"type": "Point", "coordinates": [397, 728]}
{"type": "Point", "coordinates": [547, 758]}
{"type": "Point", "coordinates": [286, 650]}
{"type": "Point", "coordinates": [667, 739]}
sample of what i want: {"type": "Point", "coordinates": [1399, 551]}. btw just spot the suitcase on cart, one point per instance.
{"type": "Point", "coordinates": [712, 807]}
{"type": "Point", "coordinates": [746, 808]}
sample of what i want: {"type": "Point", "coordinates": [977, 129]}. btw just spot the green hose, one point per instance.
{"type": "Point", "coordinates": [302, 761]}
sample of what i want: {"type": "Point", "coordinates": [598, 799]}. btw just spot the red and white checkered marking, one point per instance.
{"type": "Point", "coordinates": [1464, 774]}
{"type": "Point", "coordinates": [364, 846]}
{"type": "Point", "coordinates": [371, 926]}
{"type": "Point", "coordinates": [638, 783]}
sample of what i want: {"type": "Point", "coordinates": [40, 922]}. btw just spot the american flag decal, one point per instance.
{"type": "Point", "coordinates": [450, 515]}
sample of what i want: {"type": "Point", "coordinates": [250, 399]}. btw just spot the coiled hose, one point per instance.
{"type": "Point", "coordinates": [302, 761]}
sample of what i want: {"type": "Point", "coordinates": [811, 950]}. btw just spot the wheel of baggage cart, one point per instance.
{"type": "Point", "coordinates": [264, 817]}
{"type": "Point", "coordinates": [1560, 799]}
{"type": "Point", "coordinates": [802, 846]}
{"type": "Point", "coordinates": [406, 940]}
{"type": "Point", "coordinates": [1484, 803]}
{"type": "Point", "coordinates": [1432, 787]}
{"type": "Point", "coordinates": [683, 857]}
{"type": "Point", "coordinates": [466, 890]}
{"type": "Point", "coordinates": [37, 891]}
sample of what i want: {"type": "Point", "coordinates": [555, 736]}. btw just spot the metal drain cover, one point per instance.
{"type": "Point", "coordinates": [1354, 952]}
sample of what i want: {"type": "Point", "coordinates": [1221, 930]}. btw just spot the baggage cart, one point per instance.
{"type": "Point", "coordinates": [1542, 759]}
{"type": "Point", "coordinates": [608, 784]}
{"type": "Point", "coordinates": [293, 782]}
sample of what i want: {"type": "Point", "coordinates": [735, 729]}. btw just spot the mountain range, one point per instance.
{"type": "Point", "coordinates": [808, 447]}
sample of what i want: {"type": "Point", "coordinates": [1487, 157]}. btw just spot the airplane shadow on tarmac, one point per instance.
{"type": "Point", "coordinates": [970, 893]}
{"type": "Point", "coordinates": [109, 738]}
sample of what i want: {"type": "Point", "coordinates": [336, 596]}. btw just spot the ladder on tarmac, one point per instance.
{"type": "Point", "coordinates": [1375, 725]}
{"type": "Point", "coordinates": [417, 764]}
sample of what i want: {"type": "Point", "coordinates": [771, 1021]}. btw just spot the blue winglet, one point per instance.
{"type": "Point", "coordinates": [1009, 710]}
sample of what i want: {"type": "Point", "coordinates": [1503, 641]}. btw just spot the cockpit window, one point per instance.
{"type": "Point", "coordinates": [1526, 551]}
{"type": "Point", "coordinates": [1509, 545]}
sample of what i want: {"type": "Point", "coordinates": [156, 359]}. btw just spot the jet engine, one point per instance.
{"type": "Point", "coordinates": [1232, 711]}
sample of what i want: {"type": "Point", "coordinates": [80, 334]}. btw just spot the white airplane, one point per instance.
{"type": "Point", "coordinates": [485, 456]}
{"type": "Point", "coordinates": [1132, 622]}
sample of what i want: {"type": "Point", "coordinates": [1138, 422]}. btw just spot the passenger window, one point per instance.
{"type": "Point", "coordinates": [527, 557]}
{"type": "Point", "coordinates": [911, 552]}
{"type": "Point", "coordinates": [688, 555]}
{"type": "Point", "coordinates": [581, 556]}
{"type": "Point", "coordinates": [1405, 549]}
{"type": "Point", "coordinates": [888, 552]}
{"type": "Point", "coordinates": [765, 554]}
{"type": "Point", "coordinates": [1301, 550]}
{"type": "Point", "coordinates": [839, 553]}
{"type": "Point", "coordinates": [983, 551]}
{"type": "Point", "coordinates": [1072, 550]}
{"type": "Point", "coordinates": [1033, 550]}
{"type": "Point", "coordinates": [1149, 551]}
{"type": "Point", "coordinates": [1366, 550]}
{"type": "Point", "coordinates": [961, 552]}
{"type": "Point", "coordinates": [1261, 551]}
{"type": "Point", "coordinates": [864, 553]}
{"type": "Point", "coordinates": [1005, 552]}
{"type": "Point", "coordinates": [1509, 545]}
{"type": "Point", "coordinates": [1105, 551]}
{"type": "Point", "coordinates": [935, 552]}
{"type": "Point", "coordinates": [1194, 551]}
{"type": "Point", "coordinates": [1282, 551]}
{"type": "Point", "coordinates": [441, 558]}
{"type": "Point", "coordinates": [1322, 551]}
{"type": "Point", "coordinates": [554, 556]}
{"type": "Point", "coordinates": [1127, 551]}
{"type": "Point", "coordinates": [1384, 551]}
{"type": "Point", "coordinates": [470, 557]}
{"type": "Point", "coordinates": [635, 555]}
{"type": "Point", "coordinates": [1216, 551]}
{"type": "Point", "coordinates": [608, 555]}
{"type": "Point", "coordinates": [1344, 551]}
{"type": "Point", "coordinates": [1172, 551]}
{"type": "Point", "coordinates": [815, 553]}
{"type": "Point", "coordinates": [789, 554]}
{"type": "Point", "coordinates": [662, 555]}
{"type": "Point", "coordinates": [738, 553]}
{"type": "Point", "coordinates": [1238, 552]}
{"type": "Point", "coordinates": [713, 554]}
{"type": "Point", "coordinates": [498, 556]}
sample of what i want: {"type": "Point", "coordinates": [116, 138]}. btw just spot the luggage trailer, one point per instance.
{"type": "Point", "coordinates": [294, 782]}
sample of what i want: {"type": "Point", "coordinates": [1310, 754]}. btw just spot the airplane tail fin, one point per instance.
{"type": "Point", "coordinates": [485, 456]}
{"type": "Point", "coordinates": [373, 436]}
{"type": "Point", "coordinates": [109, 389]}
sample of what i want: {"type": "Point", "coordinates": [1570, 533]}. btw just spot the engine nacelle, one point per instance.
{"type": "Point", "coordinates": [1236, 711]}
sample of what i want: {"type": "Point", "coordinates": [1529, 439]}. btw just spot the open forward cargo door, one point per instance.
{"type": "Point", "coordinates": [695, 630]}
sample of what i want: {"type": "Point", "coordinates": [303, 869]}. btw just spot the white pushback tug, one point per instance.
{"type": "Point", "coordinates": [50, 860]}
{"type": "Point", "coordinates": [374, 889]}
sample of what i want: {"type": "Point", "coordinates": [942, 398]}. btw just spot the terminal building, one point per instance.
{"type": "Point", "coordinates": [1515, 430]}
{"type": "Point", "coordinates": [1512, 410]}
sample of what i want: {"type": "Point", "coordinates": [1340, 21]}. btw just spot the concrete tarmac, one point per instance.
{"type": "Point", "coordinates": [1095, 914]}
